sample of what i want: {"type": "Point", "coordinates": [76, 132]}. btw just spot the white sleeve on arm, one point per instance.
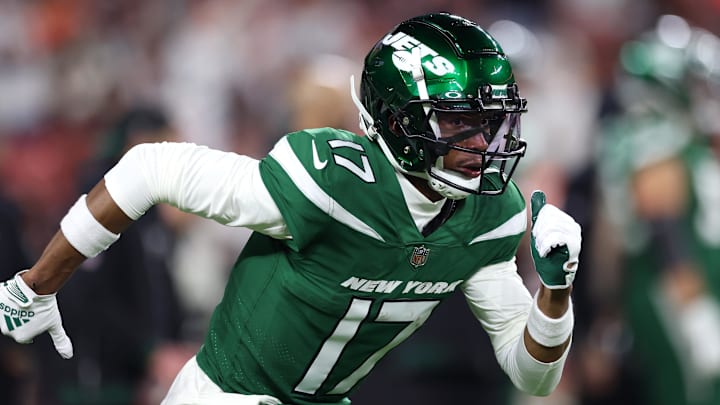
{"type": "Point", "coordinates": [222, 186]}
{"type": "Point", "coordinates": [501, 302]}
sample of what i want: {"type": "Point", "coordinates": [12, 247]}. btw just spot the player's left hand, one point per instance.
{"type": "Point", "coordinates": [555, 240]}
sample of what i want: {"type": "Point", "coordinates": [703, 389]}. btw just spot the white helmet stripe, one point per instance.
{"type": "Point", "coordinates": [419, 78]}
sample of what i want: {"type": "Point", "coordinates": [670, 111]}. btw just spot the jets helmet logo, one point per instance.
{"type": "Point", "coordinates": [409, 51]}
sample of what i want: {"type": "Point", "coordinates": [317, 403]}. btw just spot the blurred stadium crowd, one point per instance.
{"type": "Point", "coordinates": [622, 128]}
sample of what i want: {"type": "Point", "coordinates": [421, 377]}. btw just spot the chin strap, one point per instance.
{"type": "Point", "coordinates": [443, 188]}
{"type": "Point", "coordinates": [366, 121]}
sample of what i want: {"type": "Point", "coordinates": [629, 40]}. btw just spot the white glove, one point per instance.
{"type": "Point", "coordinates": [26, 315]}
{"type": "Point", "coordinates": [555, 243]}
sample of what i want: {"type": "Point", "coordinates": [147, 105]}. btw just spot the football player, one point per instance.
{"type": "Point", "coordinates": [660, 169]}
{"type": "Point", "coordinates": [357, 238]}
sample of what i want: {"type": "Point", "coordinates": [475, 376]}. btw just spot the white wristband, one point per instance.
{"type": "Point", "coordinates": [84, 232]}
{"type": "Point", "coordinates": [550, 332]}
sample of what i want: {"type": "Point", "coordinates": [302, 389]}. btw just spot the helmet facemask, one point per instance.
{"type": "Point", "coordinates": [447, 126]}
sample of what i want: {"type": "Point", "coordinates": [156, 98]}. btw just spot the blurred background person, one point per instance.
{"type": "Point", "coordinates": [660, 170]}
{"type": "Point", "coordinates": [129, 324]}
{"type": "Point", "coordinates": [16, 364]}
{"type": "Point", "coordinates": [565, 53]}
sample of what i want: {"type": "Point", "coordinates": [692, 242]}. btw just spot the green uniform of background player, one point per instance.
{"type": "Point", "coordinates": [357, 239]}
{"type": "Point", "coordinates": [659, 176]}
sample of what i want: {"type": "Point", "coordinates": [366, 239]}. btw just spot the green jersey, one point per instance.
{"type": "Point", "coordinates": [631, 144]}
{"type": "Point", "coordinates": [306, 319]}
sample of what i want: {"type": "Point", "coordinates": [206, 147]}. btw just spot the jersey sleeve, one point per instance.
{"type": "Point", "coordinates": [501, 302]}
{"type": "Point", "coordinates": [222, 186]}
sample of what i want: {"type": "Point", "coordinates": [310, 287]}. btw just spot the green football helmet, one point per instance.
{"type": "Point", "coordinates": [440, 64]}
{"type": "Point", "coordinates": [673, 69]}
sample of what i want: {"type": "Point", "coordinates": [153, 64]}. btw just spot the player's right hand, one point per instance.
{"type": "Point", "coordinates": [26, 315]}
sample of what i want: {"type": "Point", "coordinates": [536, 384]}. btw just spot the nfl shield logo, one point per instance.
{"type": "Point", "coordinates": [419, 256]}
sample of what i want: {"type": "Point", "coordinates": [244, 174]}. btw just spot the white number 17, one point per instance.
{"type": "Point", "coordinates": [365, 172]}
{"type": "Point", "coordinates": [413, 312]}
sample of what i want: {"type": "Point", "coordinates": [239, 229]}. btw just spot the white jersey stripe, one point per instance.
{"type": "Point", "coordinates": [284, 155]}
{"type": "Point", "coordinates": [513, 226]}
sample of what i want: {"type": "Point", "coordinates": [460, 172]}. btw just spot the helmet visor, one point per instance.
{"type": "Point", "coordinates": [495, 133]}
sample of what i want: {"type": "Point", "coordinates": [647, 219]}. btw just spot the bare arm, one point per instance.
{"type": "Point", "coordinates": [59, 259]}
